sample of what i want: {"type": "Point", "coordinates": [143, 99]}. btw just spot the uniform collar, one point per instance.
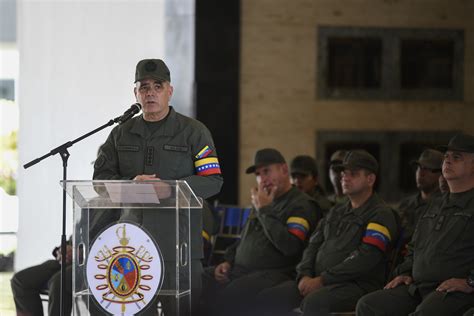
{"type": "Point", "coordinates": [460, 200]}
{"type": "Point", "coordinates": [139, 125]}
{"type": "Point", "coordinates": [434, 195]}
{"type": "Point", "coordinates": [286, 194]}
{"type": "Point", "coordinates": [371, 202]}
{"type": "Point", "coordinates": [170, 125]}
{"type": "Point", "coordinates": [419, 201]}
{"type": "Point", "coordinates": [316, 192]}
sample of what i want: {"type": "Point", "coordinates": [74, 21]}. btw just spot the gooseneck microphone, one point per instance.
{"type": "Point", "coordinates": [134, 109]}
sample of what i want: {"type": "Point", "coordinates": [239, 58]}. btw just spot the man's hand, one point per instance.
{"type": "Point", "coordinates": [455, 285]}
{"type": "Point", "coordinates": [401, 279]}
{"type": "Point", "coordinates": [221, 273]}
{"type": "Point", "coordinates": [146, 177]}
{"type": "Point", "coordinates": [163, 190]}
{"type": "Point", "coordinates": [308, 285]}
{"type": "Point", "coordinates": [262, 197]}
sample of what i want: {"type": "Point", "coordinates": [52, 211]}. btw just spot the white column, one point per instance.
{"type": "Point", "coordinates": [77, 66]}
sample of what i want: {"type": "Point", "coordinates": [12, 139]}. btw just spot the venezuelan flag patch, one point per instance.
{"type": "Point", "coordinates": [203, 153]}
{"type": "Point", "coordinates": [377, 235]}
{"type": "Point", "coordinates": [298, 226]}
{"type": "Point", "coordinates": [205, 235]}
{"type": "Point", "coordinates": [207, 166]}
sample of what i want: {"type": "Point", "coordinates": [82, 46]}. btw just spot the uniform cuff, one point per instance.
{"type": "Point", "coordinates": [328, 279]}
{"type": "Point", "coordinates": [265, 210]}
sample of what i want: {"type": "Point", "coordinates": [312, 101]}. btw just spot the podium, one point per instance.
{"type": "Point", "coordinates": [131, 247]}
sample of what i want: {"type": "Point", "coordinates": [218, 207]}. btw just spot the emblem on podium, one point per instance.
{"type": "Point", "coordinates": [124, 269]}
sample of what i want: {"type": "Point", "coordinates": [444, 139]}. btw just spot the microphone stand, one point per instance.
{"type": "Point", "coordinates": [62, 150]}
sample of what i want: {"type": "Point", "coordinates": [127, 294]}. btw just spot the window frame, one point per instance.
{"type": "Point", "coordinates": [390, 88]}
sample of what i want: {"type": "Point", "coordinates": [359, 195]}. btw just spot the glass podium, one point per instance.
{"type": "Point", "coordinates": [132, 247]}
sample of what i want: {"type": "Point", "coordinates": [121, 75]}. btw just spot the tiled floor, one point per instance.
{"type": "Point", "coordinates": [7, 307]}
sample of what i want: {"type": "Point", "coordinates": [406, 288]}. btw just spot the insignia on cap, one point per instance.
{"type": "Point", "coordinates": [150, 66]}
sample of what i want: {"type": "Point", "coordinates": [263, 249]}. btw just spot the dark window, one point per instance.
{"type": "Point", "coordinates": [354, 62]}
{"type": "Point", "coordinates": [390, 63]}
{"type": "Point", "coordinates": [427, 64]}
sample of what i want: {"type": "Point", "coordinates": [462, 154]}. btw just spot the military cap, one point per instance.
{"type": "Point", "coordinates": [460, 142]}
{"type": "Point", "coordinates": [359, 159]}
{"type": "Point", "coordinates": [265, 157]}
{"type": "Point", "coordinates": [429, 158]}
{"type": "Point", "coordinates": [337, 157]}
{"type": "Point", "coordinates": [304, 164]}
{"type": "Point", "coordinates": [152, 69]}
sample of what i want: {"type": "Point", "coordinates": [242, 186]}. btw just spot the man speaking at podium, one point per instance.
{"type": "Point", "coordinates": [162, 144]}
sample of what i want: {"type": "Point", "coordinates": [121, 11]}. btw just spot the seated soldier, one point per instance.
{"type": "Point", "coordinates": [273, 239]}
{"type": "Point", "coordinates": [346, 256]}
{"type": "Point", "coordinates": [27, 285]}
{"type": "Point", "coordinates": [304, 175]}
{"type": "Point", "coordinates": [428, 171]}
{"type": "Point", "coordinates": [434, 278]}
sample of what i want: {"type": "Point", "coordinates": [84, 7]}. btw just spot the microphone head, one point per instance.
{"type": "Point", "coordinates": [134, 109]}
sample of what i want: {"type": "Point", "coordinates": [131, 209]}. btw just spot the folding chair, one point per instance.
{"type": "Point", "coordinates": [232, 219]}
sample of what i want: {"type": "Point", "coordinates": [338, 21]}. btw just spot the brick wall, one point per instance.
{"type": "Point", "coordinates": [278, 103]}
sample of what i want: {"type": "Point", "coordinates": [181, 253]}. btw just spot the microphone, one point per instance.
{"type": "Point", "coordinates": [134, 109]}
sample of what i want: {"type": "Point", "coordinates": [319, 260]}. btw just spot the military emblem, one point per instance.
{"type": "Point", "coordinates": [124, 269]}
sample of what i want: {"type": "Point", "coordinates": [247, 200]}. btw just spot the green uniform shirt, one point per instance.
{"type": "Point", "coordinates": [350, 245]}
{"type": "Point", "coordinates": [274, 237]}
{"type": "Point", "coordinates": [335, 199]}
{"type": "Point", "coordinates": [443, 245]}
{"type": "Point", "coordinates": [170, 153]}
{"type": "Point", "coordinates": [410, 210]}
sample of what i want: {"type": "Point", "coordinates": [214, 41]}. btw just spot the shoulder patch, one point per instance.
{"type": "Point", "coordinates": [298, 226]}
{"type": "Point", "coordinates": [377, 235]}
{"type": "Point", "coordinates": [203, 153]}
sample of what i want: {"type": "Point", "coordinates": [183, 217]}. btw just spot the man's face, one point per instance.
{"type": "Point", "coordinates": [273, 175]}
{"type": "Point", "coordinates": [426, 178]}
{"type": "Point", "coordinates": [304, 182]}
{"type": "Point", "coordinates": [356, 181]}
{"type": "Point", "coordinates": [154, 96]}
{"type": "Point", "coordinates": [458, 165]}
{"type": "Point", "coordinates": [443, 184]}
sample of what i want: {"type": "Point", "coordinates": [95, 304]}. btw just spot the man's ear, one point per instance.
{"type": "Point", "coordinates": [371, 177]}
{"type": "Point", "coordinates": [135, 93]}
{"type": "Point", "coordinates": [284, 169]}
{"type": "Point", "coordinates": [472, 163]}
